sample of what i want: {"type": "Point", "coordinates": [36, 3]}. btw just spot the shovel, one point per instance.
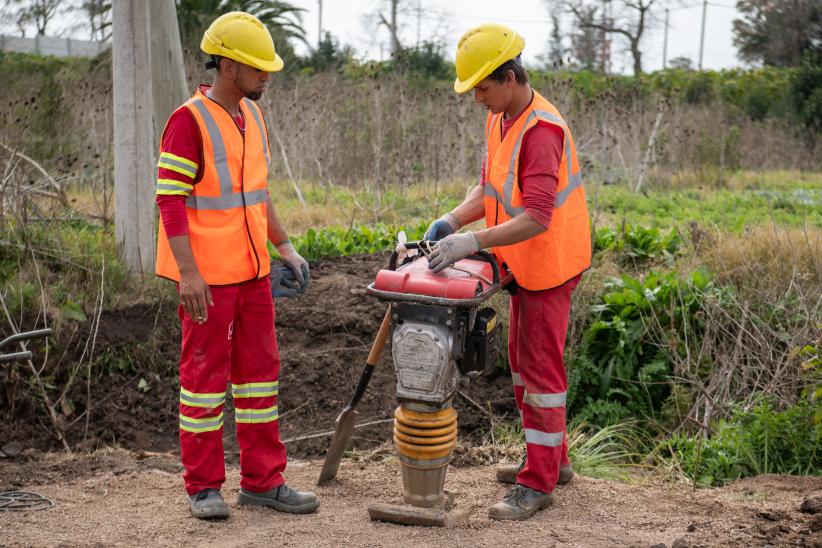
{"type": "Point", "coordinates": [345, 421]}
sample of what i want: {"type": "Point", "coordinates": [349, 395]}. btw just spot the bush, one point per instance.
{"type": "Point", "coordinates": [759, 441]}
{"type": "Point", "coordinates": [624, 365]}
{"type": "Point", "coordinates": [339, 241]}
{"type": "Point", "coordinates": [806, 94]}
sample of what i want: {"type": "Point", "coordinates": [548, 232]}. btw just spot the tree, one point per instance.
{"type": "Point", "coordinates": [37, 12]}
{"type": "Point", "coordinates": [586, 42]}
{"type": "Point", "coordinates": [99, 18]}
{"type": "Point", "coordinates": [392, 27]}
{"type": "Point", "coordinates": [778, 32]}
{"type": "Point", "coordinates": [328, 55]}
{"type": "Point", "coordinates": [283, 20]}
{"type": "Point", "coordinates": [681, 63]}
{"type": "Point", "coordinates": [556, 52]}
{"type": "Point", "coordinates": [630, 20]}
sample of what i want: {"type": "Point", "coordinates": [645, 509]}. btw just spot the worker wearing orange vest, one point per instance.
{"type": "Point", "coordinates": [217, 219]}
{"type": "Point", "coordinates": [540, 232]}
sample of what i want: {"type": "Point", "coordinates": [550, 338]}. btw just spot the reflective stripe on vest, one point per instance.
{"type": "Point", "coordinates": [559, 253]}
{"type": "Point", "coordinates": [250, 106]}
{"type": "Point", "coordinates": [227, 198]}
{"type": "Point", "coordinates": [227, 207]}
{"type": "Point", "coordinates": [574, 179]}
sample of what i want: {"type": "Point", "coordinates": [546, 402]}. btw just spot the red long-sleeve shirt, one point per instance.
{"type": "Point", "coordinates": [182, 143]}
{"type": "Point", "coordinates": [539, 158]}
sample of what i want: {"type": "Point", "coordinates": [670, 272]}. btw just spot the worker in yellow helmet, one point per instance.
{"type": "Point", "coordinates": [532, 198]}
{"type": "Point", "coordinates": [217, 218]}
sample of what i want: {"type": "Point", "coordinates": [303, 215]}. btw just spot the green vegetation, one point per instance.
{"type": "Point", "coordinates": [760, 440]}
{"type": "Point", "coordinates": [621, 370]}
{"type": "Point", "coordinates": [730, 209]}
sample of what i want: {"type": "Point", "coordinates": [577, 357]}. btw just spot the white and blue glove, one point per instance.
{"type": "Point", "coordinates": [296, 263]}
{"type": "Point", "coordinates": [452, 249]}
{"type": "Point", "coordinates": [283, 283]}
{"type": "Point", "coordinates": [442, 227]}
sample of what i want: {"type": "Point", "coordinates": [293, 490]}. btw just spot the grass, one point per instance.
{"type": "Point", "coordinates": [742, 200]}
{"type": "Point", "coordinates": [611, 452]}
{"type": "Point", "coordinates": [727, 209]}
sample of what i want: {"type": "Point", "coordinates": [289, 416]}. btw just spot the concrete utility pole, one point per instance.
{"type": "Point", "coordinates": [169, 88]}
{"type": "Point", "coordinates": [665, 44]}
{"type": "Point", "coordinates": [133, 143]}
{"type": "Point", "coordinates": [702, 33]}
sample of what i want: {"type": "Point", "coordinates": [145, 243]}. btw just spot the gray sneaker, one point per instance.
{"type": "Point", "coordinates": [208, 504]}
{"type": "Point", "coordinates": [282, 498]}
{"type": "Point", "coordinates": [507, 473]}
{"type": "Point", "coordinates": [521, 503]}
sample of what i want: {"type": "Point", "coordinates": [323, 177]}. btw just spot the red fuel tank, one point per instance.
{"type": "Point", "coordinates": [417, 279]}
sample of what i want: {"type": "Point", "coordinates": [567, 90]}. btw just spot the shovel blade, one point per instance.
{"type": "Point", "coordinates": [339, 443]}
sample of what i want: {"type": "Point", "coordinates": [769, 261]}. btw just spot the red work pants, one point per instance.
{"type": "Point", "coordinates": [536, 340]}
{"type": "Point", "coordinates": [237, 344]}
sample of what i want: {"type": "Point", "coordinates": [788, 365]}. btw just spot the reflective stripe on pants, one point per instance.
{"type": "Point", "coordinates": [536, 341]}
{"type": "Point", "coordinates": [237, 343]}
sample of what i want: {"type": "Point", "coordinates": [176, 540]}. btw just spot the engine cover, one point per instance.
{"type": "Point", "coordinates": [424, 361]}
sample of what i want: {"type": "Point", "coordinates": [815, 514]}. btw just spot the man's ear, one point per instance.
{"type": "Point", "coordinates": [511, 78]}
{"type": "Point", "coordinates": [228, 67]}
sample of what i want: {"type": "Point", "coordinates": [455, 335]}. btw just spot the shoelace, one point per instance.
{"type": "Point", "coordinates": [518, 491]}
{"type": "Point", "coordinates": [202, 495]}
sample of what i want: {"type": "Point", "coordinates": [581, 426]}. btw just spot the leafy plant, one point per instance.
{"type": "Point", "coordinates": [624, 364]}
{"type": "Point", "coordinates": [759, 441]}
{"type": "Point", "coordinates": [339, 241]}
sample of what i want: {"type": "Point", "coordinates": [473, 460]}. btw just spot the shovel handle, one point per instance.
{"type": "Point", "coordinates": [379, 342]}
{"type": "Point", "coordinates": [373, 358]}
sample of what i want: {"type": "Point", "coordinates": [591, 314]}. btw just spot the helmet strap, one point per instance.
{"type": "Point", "coordinates": [215, 60]}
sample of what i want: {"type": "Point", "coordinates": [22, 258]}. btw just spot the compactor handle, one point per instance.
{"type": "Point", "coordinates": [479, 256]}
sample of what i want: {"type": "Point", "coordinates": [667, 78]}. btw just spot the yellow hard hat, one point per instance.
{"type": "Point", "coordinates": [481, 50]}
{"type": "Point", "coordinates": [241, 36]}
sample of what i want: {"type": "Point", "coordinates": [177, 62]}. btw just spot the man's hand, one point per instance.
{"type": "Point", "coordinates": [283, 282]}
{"type": "Point", "coordinates": [451, 249]}
{"type": "Point", "coordinates": [195, 296]}
{"type": "Point", "coordinates": [296, 263]}
{"type": "Point", "coordinates": [442, 227]}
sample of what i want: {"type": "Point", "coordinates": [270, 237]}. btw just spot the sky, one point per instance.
{"type": "Point", "coordinates": [353, 22]}
{"type": "Point", "coordinates": [449, 19]}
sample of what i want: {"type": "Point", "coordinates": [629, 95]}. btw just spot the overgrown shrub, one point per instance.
{"type": "Point", "coordinates": [761, 440]}
{"type": "Point", "coordinates": [624, 366]}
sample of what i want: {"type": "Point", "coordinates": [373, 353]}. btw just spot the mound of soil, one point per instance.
{"type": "Point", "coordinates": [324, 339]}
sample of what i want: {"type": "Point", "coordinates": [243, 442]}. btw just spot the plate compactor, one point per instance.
{"type": "Point", "coordinates": [441, 333]}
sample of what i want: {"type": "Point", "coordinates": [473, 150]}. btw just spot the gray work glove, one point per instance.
{"type": "Point", "coordinates": [296, 263]}
{"type": "Point", "coordinates": [442, 227]}
{"type": "Point", "coordinates": [283, 282]}
{"type": "Point", "coordinates": [451, 249]}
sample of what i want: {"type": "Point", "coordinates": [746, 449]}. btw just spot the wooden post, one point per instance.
{"type": "Point", "coordinates": [133, 142]}
{"type": "Point", "coordinates": [168, 76]}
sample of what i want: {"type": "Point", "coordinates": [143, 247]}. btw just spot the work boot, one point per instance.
{"type": "Point", "coordinates": [507, 473]}
{"type": "Point", "coordinates": [208, 504]}
{"type": "Point", "coordinates": [282, 498]}
{"type": "Point", "coordinates": [521, 503]}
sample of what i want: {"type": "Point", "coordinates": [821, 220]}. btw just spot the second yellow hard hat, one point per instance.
{"type": "Point", "coordinates": [241, 36]}
{"type": "Point", "coordinates": [481, 50]}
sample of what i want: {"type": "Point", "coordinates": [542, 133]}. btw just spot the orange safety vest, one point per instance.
{"type": "Point", "coordinates": [227, 222]}
{"type": "Point", "coordinates": [553, 257]}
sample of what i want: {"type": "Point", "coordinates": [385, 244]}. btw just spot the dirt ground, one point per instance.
{"type": "Point", "coordinates": [133, 495]}
{"type": "Point", "coordinates": [324, 339]}
{"type": "Point", "coordinates": [113, 497]}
